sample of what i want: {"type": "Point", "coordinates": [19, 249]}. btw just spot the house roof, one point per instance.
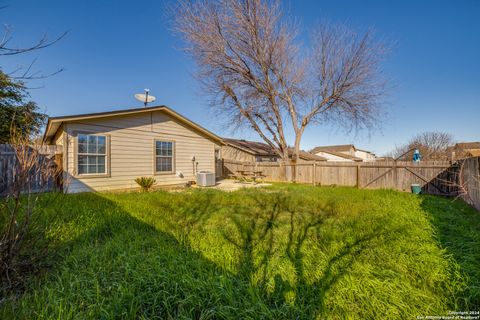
{"type": "Point", "coordinates": [252, 147]}
{"type": "Point", "coordinates": [336, 148]}
{"type": "Point", "coordinates": [367, 151]}
{"type": "Point", "coordinates": [263, 149]}
{"type": "Point", "coordinates": [338, 154]}
{"type": "Point", "coordinates": [308, 156]}
{"type": "Point", "coordinates": [386, 158]}
{"type": "Point", "coordinates": [341, 148]}
{"type": "Point", "coordinates": [54, 123]}
{"type": "Point", "coordinates": [474, 153]}
{"type": "Point", "coordinates": [468, 145]}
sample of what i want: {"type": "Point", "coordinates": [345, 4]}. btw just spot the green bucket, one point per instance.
{"type": "Point", "coordinates": [416, 188]}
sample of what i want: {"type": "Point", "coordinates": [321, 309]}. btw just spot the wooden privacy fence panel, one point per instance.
{"type": "Point", "coordinates": [372, 175]}
{"type": "Point", "coordinates": [341, 174]}
{"type": "Point", "coordinates": [274, 171]}
{"type": "Point", "coordinates": [471, 178]}
{"type": "Point", "coordinates": [8, 163]}
{"type": "Point", "coordinates": [462, 179]}
{"type": "Point", "coordinates": [399, 175]}
{"type": "Point", "coordinates": [435, 177]}
{"type": "Point", "coordinates": [304, 172]}
{"type": "Point", "coordinates": [231, 167]}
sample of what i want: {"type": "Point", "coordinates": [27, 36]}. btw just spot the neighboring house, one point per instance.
{"type": "Point", "coordinates": [108, 150]}
{"type": "Point", "coordinates": [464, 150]}
{"type": "Point", "coordinates": [248, 151]}
{"type": "Point", "coordinates": [307, 156]}
{"type": "Point", "coordinates": [365, 155]}
{"type": "Point", "coordinates": [252, 151]}
{"type": "Point", "coordinates": [343, 148]}
{"type": "Point", "coordinates": [346, 152]}
{"type": "Point", "coordinates": [336, 156]}
{"type": "Point", "coordinates": [385, 159]}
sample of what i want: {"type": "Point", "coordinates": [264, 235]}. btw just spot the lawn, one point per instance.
{"type": "Point", "coordinates": [288, 251]}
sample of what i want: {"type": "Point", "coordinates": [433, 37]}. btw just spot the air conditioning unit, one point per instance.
{"type": "Point", "coordinates": [205, 178]}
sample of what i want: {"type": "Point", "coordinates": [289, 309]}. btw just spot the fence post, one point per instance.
{"type": "Point", "coordinates": [314, 172]}
{"type": "Point", "coordinates": [395, 176]}
{"type": "Point", "coordinates": [358, 176]}
{"type": "Point", "coordinates": [319, 175]}
{"type": "Point", "coordinates": [293, 172]}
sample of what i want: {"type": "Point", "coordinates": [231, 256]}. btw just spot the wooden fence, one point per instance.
{"type": "Point", "coordinates": [471, 178]}
{"type": "Point", "coordinates": [8, 163]}
{"type": "Point", "coordinates": [435, 177]}
{"type": "Point", "coordinates": [462, 179]}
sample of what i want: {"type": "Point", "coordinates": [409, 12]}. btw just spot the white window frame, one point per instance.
{"type": "Point", "coordinates": [106, 155]}
{"type": "Point", "coordinates": [155, 157]}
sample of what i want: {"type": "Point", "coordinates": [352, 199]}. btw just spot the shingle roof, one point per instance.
{"type": "Point", "coordinates": [252, 147]}
{"type": "Point", "coordinates": [474, 153]}
{"type": "Point", "coordinates": [310, 156]}
{"type": "Point", "coordinates": [338, 154]}
{"type": "Point", "coordinates": [336, 148]}
{"type": "Point", "coordinates": [54, 122]}
{"type": "Point", "coordinates": [263, 149]}
{"type": "Point", "coordinates": [468, 145]}
{"type": "Point", "coordinates": [307, 155]}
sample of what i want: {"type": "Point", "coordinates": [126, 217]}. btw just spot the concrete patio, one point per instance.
{"type": "Point", "coordinates": [233, 185]}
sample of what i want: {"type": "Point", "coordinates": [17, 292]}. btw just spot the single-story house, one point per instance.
{"type": "Point", "coordinates": [108, 150]}
{"type": "Point", "coordinates": [346, 152]}
{"type": "Point", "coordinates": [253, 151]}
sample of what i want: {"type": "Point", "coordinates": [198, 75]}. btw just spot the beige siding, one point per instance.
{"type": "Point", "coordinates": [231, 153]}
{"type": "Point", "coordinates": [367, 156]}
{"type": "Point", "coordinates": [332, 157]}
{"type": "Point", "coordinates": [131, 150]}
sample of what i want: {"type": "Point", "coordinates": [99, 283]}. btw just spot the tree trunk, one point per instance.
{"type": "Point", "coordinates": [296, 155]}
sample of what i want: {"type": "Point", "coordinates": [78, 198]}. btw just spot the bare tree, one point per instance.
{"type": "Point", "coordinates": [432, 146]}
{"type": "Point", "coordinates": [251, 63]}
{"type": "Point", "coordinates": [31, 174]}
{"type": "Point", "coordinates": [6, 50]}
{"type": "Point", "coordinates": [26, 73]}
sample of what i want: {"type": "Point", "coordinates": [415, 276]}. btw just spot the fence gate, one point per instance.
{"type": "Point", "coordinates": [402, 175]}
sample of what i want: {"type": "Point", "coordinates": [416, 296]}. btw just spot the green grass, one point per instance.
{"type": "Point", "coordinates": [286, 252]}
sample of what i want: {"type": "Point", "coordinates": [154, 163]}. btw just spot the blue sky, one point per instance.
{"type": "Point", "coordinates": [116, 48]}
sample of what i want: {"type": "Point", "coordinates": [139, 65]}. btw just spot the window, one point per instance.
{"type": "Point", "coordinates": [91, 154]}
{"type": "Point", "coordinates": [163, 156]}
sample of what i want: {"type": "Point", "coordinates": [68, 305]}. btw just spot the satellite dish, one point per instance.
{"type": "Point", "coordinates": [145, 97]}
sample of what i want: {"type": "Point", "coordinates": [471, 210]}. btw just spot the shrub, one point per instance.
{"type": "Point", "coordinates": [145, 183]}
{"type": "Point", "coordinates": [27, 178]}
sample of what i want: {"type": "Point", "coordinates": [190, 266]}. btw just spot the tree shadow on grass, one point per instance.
{"type": "Point", "coordinates": [124, 267]}
{"type": "Point", "coordinates": [118, 266]}
{"type": "Point", "coordinates": [457, 228]}
{"type": "Point", "coordinates": [256, 239]}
